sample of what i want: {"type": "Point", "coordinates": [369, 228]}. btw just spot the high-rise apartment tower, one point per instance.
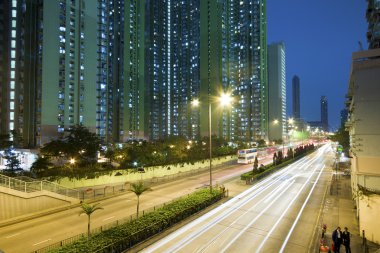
{"type": "Point", "coordinates": [277, 91]}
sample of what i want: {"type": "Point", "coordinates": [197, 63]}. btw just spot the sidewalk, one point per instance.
{"type": "Point", "coordinates": [339, 210]}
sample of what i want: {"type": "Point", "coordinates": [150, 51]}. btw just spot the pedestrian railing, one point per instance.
{"type": "Point", "coordinates": [35, 186]}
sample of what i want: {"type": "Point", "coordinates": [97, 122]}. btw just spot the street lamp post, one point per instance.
{"type": "Point", "coordinates": [224, 99]}
{"type": "Point", "coordinates": [209, 128]}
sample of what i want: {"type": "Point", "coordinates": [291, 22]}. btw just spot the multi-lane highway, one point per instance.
{"type": "Point", "coordinates": [279, 214]}
{"type": "Point", "coordinates": [40, 232]}
{"type": "Point", "coordinates": [242, 224]}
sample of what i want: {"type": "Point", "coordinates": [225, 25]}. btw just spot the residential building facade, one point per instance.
{"type": "Point", "coordinates": [20, 46]}
{"type": "Point", "coordinates": [244, 69]}
{"type": "Point", "coordinates": [277, 91]}
{"type": "Point", "coordinates": [129, 69]}
{"type": "Point", "coordinates": [363, 126]}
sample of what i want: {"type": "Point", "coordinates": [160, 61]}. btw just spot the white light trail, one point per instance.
{"type": "Point", "coordinates": [241, 199]}
{"type": "Point", "coordinates": [257, 217]}
{"type": "Point", "coordinates": [285, 211]}
{"type": "Point", "coordinates": [300, 212]}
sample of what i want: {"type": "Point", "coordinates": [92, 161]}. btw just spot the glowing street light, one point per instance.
{"type": "Point", "coordinates": [225, 99]}
{"type": "Point", "coordinates": [72, 161]}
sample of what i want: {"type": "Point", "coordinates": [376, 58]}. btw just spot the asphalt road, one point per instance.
{"type": "Point", "coordinates": [279, 214]}
{"type": "Point", "coordinates": [40, 232]}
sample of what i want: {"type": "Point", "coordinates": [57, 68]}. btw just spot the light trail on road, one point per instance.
{"type": "Point", "coordinates": [254, 217]}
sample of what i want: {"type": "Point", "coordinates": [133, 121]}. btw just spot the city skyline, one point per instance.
{"type": "Point", "coordinates": [333, 30]}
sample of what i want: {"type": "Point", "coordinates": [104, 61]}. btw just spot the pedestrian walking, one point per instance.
{"type": "Point", "coordinates": [337, 239]}
{"type": "Point", "coordinates": [346, 239]}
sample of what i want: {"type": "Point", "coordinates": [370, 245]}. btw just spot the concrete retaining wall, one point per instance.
{"type": "Point", "coordinates": [15, 203]}
{"type": "Point", "coordinates": [150, 172]}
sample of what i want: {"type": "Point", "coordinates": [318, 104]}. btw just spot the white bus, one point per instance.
{"type": "Point", "coordinates": [246, 156]}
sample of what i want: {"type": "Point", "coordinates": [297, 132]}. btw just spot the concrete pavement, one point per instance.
{"type": "Point", "coordinates": [339, 210]}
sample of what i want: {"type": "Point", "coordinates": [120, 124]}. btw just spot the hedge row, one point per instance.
{"type": "Point", "coordinates": [269, 169]}
{"type": "Point", "coordinates": [125, 236]}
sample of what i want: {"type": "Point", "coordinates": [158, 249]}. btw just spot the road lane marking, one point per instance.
{"type": "Point", "coordinates": [10, 236]}
{"type": "Point", "coordinates": [41, 242]}
{"type": "Point", "coordinates": [109, 218]}
{"type": "Point", "coordinates": [283, 213]}
{"type": "Point", "coordinates": [250, 194]}
{"type": "Point", "coordinates": [300, 212]}
{"type": "Point", "coordinates": [232, 241]}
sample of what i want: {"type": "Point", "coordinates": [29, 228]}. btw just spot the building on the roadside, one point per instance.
{"type": "Point", "coordinates": [277, 91]}
{"type": "Point", "coordinates": [363, 125]}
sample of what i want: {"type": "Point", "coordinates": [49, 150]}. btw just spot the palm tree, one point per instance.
{"type": "Point", "coordinates": [138, 188]}
{"type": "Point", "coordinates": [88, 210]}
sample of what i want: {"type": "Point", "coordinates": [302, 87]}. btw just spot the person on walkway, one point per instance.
{"type": "Point", "coordinates": [346, 239]}
{"type": "Point", "coordinates": [337, 239]}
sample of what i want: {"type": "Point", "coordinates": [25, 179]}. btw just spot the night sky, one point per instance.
{"type": "Point", "coordinates": [319, 37]}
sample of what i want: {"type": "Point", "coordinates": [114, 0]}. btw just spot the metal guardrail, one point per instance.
{"type": "Point", "coordinates": [35, 186]}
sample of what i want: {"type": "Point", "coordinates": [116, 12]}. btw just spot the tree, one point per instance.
{"type": "Point", "coordinates": [13, 163]}
{"type": "Point", "coordinates": [343, 137]}
{"type": "Point", "coordinates": [279, 157]}
{"type": "Point", "coordinates": [255, 164]}
{"type": "Point", "coordinates": [290, 153]}
{"type": "Point", "coordinates": [138, 189]}
{"type": "Point", "coordinates": [88, 210]}
{"type": "Point", "coordinates": [82, 143]}
{"type": "Point", "coordinates": [40, 165]}
{"type": "Point", "coordinates": [275, 158]}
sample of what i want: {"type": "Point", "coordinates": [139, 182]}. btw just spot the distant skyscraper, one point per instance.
{"type": "Point", "coordinates": [296, 97]}
{"type": "Point", "coordinates": [373, 34]}
{"type": "Point", "coordinates": [277, 91]}
{"type": "Point", "coordinates": [324, 113]}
